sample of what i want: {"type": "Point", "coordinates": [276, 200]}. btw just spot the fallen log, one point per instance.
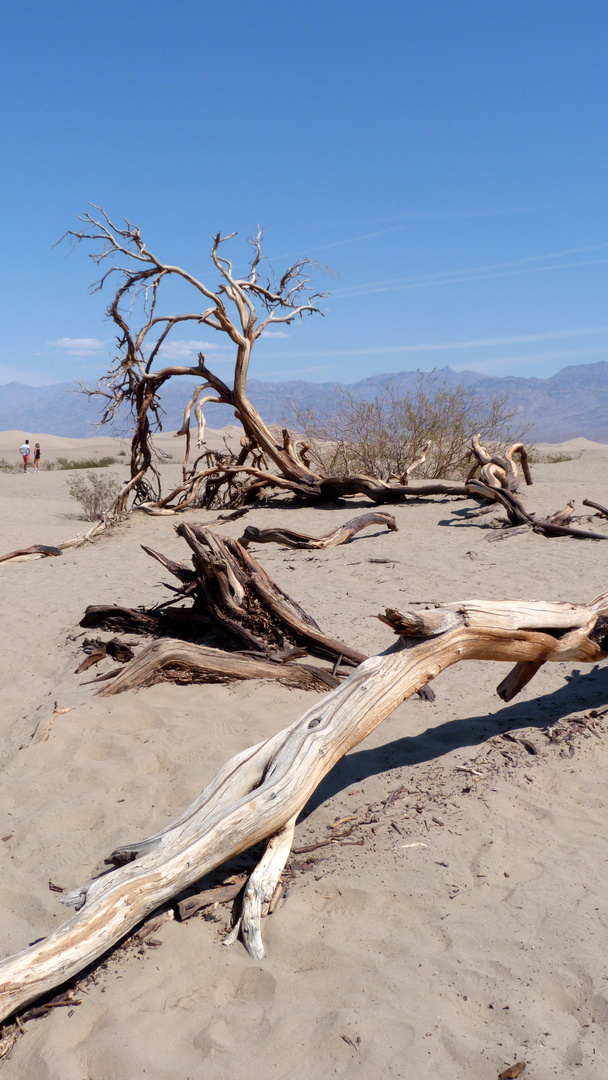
{"type": "Point", "coordinates": [260, 792]}
{"type": "Point", "coordinates": [180, 661]}
{"type": "Point", "coordinates": [36, 551]}
{"type": "Point", "coordinates": [596, 506]}
{"type": "Point", "coordinates": [43, 551]}
{"type": "Point", "coordinates": [291, 539]}
{"type": "Point", "coordinates": [518, 515]}
{"type": "Point", "coordinates": [332, 488]}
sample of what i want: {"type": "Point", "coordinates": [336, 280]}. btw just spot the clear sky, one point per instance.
{"type": "Point", "coordinates": [446, 158]}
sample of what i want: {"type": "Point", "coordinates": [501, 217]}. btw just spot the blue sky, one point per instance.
{"type": "Point", "coordinates": [446, 158]}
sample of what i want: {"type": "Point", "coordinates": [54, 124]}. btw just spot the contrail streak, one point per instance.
{"type": "Point", "coordinates": [439, 346]}
{"type": "Point", "coordinates": [446, 277]}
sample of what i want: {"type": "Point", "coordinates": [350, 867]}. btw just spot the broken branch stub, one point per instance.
{"type": "Point", "coordinates": [259, 793]}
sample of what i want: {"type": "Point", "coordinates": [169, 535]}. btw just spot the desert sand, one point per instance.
{"type": "Point", "coordinates": [463, 933]}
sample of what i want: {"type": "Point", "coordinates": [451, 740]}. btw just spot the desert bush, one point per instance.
{"type": "Point", "coordinates": [9, 466]}
{"type": "Point", "coordinates": [96, 494]}
{"type": "Point", "coordinates": [384, 436]}
{"type": "Point", "coordinates": [535, 457]}
{"type": "Point", "coordinates": [82, 463]}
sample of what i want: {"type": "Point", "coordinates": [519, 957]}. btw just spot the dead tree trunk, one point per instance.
{"type": "Point", "coordinates": [231, 593]}
{"type": "Point", "coordinates": [259, 793]}
{"type": "Point", "coordinates": [231, 588]}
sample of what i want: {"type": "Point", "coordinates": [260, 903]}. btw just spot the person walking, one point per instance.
{"type": "Point", "coordinates": [25, 454]}
{"type": "Point", "coordinates": [37, 457]}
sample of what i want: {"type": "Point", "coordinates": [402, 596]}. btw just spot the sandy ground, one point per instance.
{"type": "Point", "coordinates": [463, 932]}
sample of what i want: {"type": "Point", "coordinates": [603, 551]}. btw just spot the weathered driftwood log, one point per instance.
{"type": "Point", "coordinates": [43, 551]}
{"type": "Point", "coordinates": [181, 661]}
{"type": "Point", "coordinates": [338, 487]}
{"type": "Point", "coordinates": [260, 792]}
{"type": "Point", "coordinates": [596, 506]}
{"type": "Point", "coordinates": [341, 535]}
{"type": "Point", "coordinates": [230, 588]}
{"type": "Point", "coordinates": [36, 551]}
{"type": "Point", "coordinates": [500, 470]}
{"type": "Point", "coordinates": [232, 592]}
{"type": "Point", "coordinates": [158, 622]}
{"type": "Point", "coordinates": [518, 515]}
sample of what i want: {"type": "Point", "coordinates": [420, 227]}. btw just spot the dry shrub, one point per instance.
{"type": "Point", "coordinates": [382, 437]}
{"type": "Point", "coordinates": [65, 464]}
{"type": "Point", "coordinates": [96, 493]}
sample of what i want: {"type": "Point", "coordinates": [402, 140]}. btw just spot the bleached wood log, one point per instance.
{"type": "Point", "coordinates": [495, 614]}
{"type": "Point", "coordinates": [260, 792]}
{"type": "Point", "coordinates": [500, 470]}
{"type": "Point", "coordinates": [182, 661]}
{"type": "Point", "coordinates": [292, 539]}
{"type": "Point", "coordinates": [260, 889]}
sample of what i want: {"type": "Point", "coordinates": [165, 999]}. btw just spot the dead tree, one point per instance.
{"type": "Point", "coordinates": [259, 794]}
{"type": "Point", "coordinates": [242, 308]}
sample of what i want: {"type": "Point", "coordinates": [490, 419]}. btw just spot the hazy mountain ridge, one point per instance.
{"type": "Point", "coordinates": [569, 404]}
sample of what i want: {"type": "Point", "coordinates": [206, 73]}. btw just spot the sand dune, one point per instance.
{"type": "Point", "coordinates": [464, 933]}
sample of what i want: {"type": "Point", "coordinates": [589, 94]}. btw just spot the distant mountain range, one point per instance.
{"type": "Point", "coordinates": [572, 403]}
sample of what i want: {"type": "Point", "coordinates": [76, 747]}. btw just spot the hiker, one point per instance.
{"type": "Point", "coordinates": [37, 457]}
{"type": "Point", "coordinates": [25, 454]}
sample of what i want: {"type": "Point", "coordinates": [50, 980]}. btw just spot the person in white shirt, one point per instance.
{"type": "Point", "coordinates": [25, 453]}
